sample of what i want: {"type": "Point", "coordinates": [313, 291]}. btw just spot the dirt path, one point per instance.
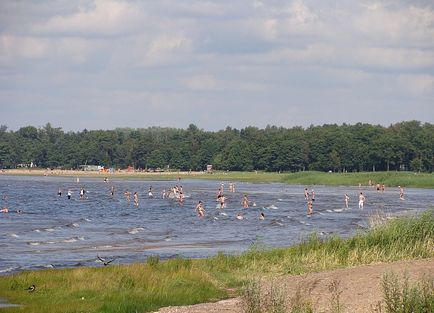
{"type": "Point", "coordinates": [360, 288]}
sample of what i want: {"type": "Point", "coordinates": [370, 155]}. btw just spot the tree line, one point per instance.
{"type": "Point", "coordinates": [330, 147]}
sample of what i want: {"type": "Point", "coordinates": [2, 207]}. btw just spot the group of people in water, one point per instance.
{"type": "Point", "coordinates": [310, 197]}
{"type": "Point", "coordinates": [176, 193]}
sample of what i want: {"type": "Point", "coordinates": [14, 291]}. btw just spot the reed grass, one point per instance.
{"type": "Point", "coordinates": [144, 287]}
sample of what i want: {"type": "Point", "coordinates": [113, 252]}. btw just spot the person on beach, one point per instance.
{"type": "Point", "coordinates": [245, 202]}
{"type": "Point", "coordinates": [200, 210]}
{"type": "Point", "coordinates": [136, 199]}
{"type": "Point", "coordinates": [361, 200]}
{"type": "Point", "coordinates": [347, 199]}
{"type": "Point", "coordinates": [401, 193]}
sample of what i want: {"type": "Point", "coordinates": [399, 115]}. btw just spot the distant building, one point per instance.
{"type": "Point", "coordinates": [91, 168]}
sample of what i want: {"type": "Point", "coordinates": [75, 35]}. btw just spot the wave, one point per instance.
{"type": "Point", "coordinates": [135, 230]}
{"type": "Point", "coordinates": [9, 269]}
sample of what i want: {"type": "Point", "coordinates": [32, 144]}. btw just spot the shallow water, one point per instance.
{"type": "Point", "coordinates": [53, 231]}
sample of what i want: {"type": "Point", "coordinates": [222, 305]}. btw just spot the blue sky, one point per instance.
{"type": "Point", "coordinates": [107, 64]}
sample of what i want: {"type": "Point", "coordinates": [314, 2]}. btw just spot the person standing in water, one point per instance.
{"type": "Point", "coordinates": [82, 193]}
{"type": "Point", "coordinates": [309, 208]}
{"type": "Point", "coordinates": [136, 199]}
{"type": "Point", "coordinates": [200, 210]}
{"type": "Point", "coordinates": [401, 193]}
{"type": "Point", "coordinates": [127, 195]}
{"type": "Point", "coordinates": [361, 200]}
{"type": "Point", "coordinates": [245, 202]}
{"type": "Point", "coordinates": [347, 199]}
{"type": "Point", "coordinates": [306, 194]}
{"type": "Point", "coordinates": [69, 194]}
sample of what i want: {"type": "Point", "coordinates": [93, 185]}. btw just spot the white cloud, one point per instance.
{"type": "Point", "coordinates": [103, 17]}
{"type": "Point", "coordinates": [403, 25]}
{"type": "Point", "coordinates": [418, 84]}
{"type": "Point", "coordinates": [192, 54]}
{"type": "Point", "coordinates": [201, 82]}
{"type": "Point", "coordinates": [13, 48]}
{"type": "Point", "coordinates": [399, 58]}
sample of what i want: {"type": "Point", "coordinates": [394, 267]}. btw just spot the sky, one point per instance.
{"type": "Point", "coordinates": [105, 64]}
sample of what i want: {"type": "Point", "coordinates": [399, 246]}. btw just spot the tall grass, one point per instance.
{"type": "Point", "coordinates": [405, 298]}
{"type": "Point", "coordinates": [144, 287]}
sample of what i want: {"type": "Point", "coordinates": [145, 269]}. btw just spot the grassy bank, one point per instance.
{"type": "Point", "coordinates": [407, 179]}
{"type": "Point", "coordinates": [146, 286]}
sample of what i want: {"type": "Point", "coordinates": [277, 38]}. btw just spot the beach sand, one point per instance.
{"type": "Point", "coordinates": [359, 288]}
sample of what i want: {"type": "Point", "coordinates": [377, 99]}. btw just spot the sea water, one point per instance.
{"type": "Point", "coordinates": [52, 231]}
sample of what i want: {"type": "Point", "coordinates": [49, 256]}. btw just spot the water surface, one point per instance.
{"type": "Point", "coordinates": [53, 231]}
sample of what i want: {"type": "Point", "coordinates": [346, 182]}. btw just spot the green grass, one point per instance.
{"type": "Point", "coordinates": [390, 179]}
{"type": "Point", "coordinates": [407, 179]}
{"type": "Point", "coordinates": [402, 297]}
{"type": "Point", "coordinates": [144, 287]}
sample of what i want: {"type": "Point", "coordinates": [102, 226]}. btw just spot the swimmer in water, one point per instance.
{"type": "Point", "coordinates": [4, 210]}
{"type": "Point", "coordinates": [262, 216]}
{"type": "Point", "coordinates": [306, 194]}
{"type": "Point", "coordinates": [69, 194]}
{"type": "Point", "coordinates": [59, 193]}
{"type": "Point", "coordinates": [150, 194]}
{"type": "Point", "coordinates": [239, 216]}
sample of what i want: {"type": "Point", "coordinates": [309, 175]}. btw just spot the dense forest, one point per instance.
{"type": "Point", "coordinates": [360, 147]}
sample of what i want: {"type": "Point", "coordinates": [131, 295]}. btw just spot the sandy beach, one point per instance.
{"type": "Point", "coordinates": [79, 173]}
{"type": "Point", "coordinates": [359, 288]}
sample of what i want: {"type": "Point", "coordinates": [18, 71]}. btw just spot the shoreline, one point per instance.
{"type": "Point", "coordinates": [136, 287]}
{"type": "Point", "coordinates": [307, 178]}
{"type": "Point", "coordinates": [68, 173]}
